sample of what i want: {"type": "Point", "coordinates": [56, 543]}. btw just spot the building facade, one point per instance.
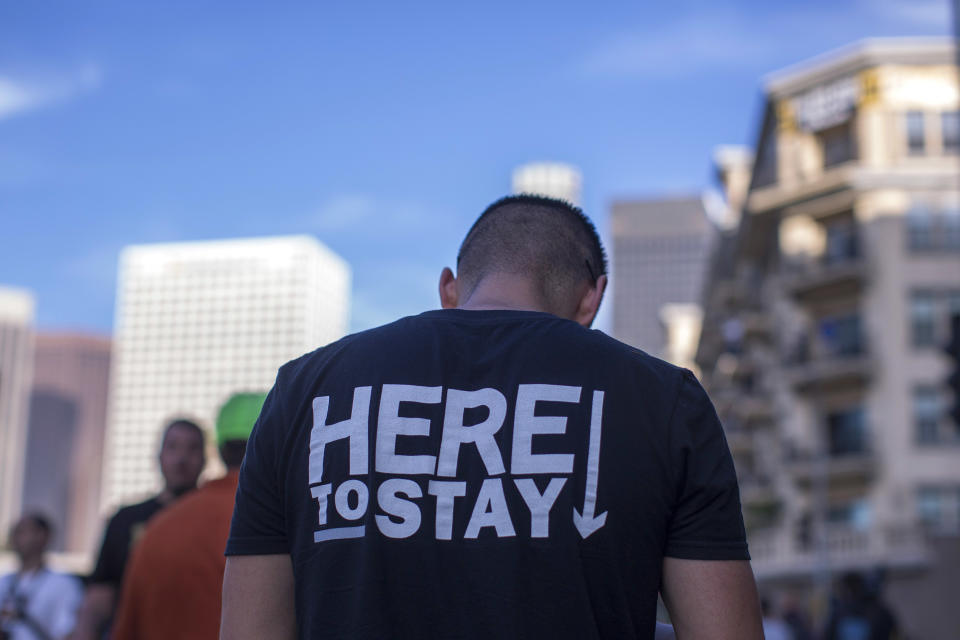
{"type": "Point", "coordinates": [660, 253]}
{"type": "Point", "coordinates": [65, 436]}
{"type": "Point", "coordinates": [199, 321]}
{"type": "Point", "coordinates": [825, 315]}
{"type": "Point", "coordinates": [16, 362]}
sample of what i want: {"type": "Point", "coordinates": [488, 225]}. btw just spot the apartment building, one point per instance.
{"type": "Point", "coordinates": [824, 318]}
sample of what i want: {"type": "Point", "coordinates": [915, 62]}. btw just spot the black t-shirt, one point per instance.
{"type": "Point", "coordinates": [484, 474]}
{"type": "Point", "coordinates": [122, 531]}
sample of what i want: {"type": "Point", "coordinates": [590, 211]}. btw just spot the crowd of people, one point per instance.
{"type": "Point", "coordinates": [160, 566]}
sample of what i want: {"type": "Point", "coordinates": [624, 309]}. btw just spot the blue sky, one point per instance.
{"type": "Point", "coordinates": [381, 128]}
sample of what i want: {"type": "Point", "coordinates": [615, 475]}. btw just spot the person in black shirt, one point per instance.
{"type": "Point", "coordinates": [494, 469]}
{"type": "Point", "coordinates": [181, 460]}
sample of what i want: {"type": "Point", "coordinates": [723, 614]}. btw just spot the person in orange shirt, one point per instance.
{"type": "Point", "coordinates": [173, 583]}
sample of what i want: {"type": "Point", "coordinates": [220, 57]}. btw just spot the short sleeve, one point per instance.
{"type": "Point", "coordinates": [706, 522]}
{"type": "Point", "coordinates": [70, 596]}
{"type": "Point", "coordinates": [259, 526]}
{"type": "Point", "coordinates": [110, 562]}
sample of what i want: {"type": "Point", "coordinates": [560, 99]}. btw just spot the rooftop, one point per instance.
{"type": "Point", "coordinates": [857, 56]}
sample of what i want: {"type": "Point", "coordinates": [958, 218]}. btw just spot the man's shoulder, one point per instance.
{"type": "Point", "coordinates": [138, 511]}
{"type": "Point", "coordinates": [428, 329]}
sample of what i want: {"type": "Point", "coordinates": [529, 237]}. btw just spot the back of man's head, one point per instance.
{"type": "Point", "coordinates": [549, 242]}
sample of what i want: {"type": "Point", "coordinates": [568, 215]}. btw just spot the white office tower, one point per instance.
{"type": "Point", "coordinates": [548, 179]}
{"type": "Point", "coordinates": [197, 322]}
{"type": "Point", "coordinates": [16, 374]}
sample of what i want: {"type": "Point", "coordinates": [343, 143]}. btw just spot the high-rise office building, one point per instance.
{"type": "Point", "coordinates": [824, 325]}
{"type": "Point", "coordinates": [660, 252]}
{"type": "Point", "coordinates": [551, 179]}
{"type": "Point", "coordinates": [65, 436]}
{"type": "Point", "coordinates": [16, 363]}
{"type": "Point", "coordinates": [199, 321]}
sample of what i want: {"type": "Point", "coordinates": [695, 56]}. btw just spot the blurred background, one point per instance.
{"type": "Point", "coordinates": [191, 195]}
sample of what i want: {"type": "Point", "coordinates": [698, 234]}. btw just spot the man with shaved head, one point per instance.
{"type": "Point", "coordinates": [494, 469]}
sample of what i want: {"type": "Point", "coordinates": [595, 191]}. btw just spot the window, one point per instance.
{"type": "Point", "coordinates": [922, 312]}
{"type": "Point", "coordinates": [841, 335]}
{"type": "Point", "coordinates": [950, 131]}
{"type": "Point", "coordinates": [920, 228]}
{"type": "Point", "coordinates": [855, 514]}
{"type": "Point", "coordinates": [953, 308]}
{"type": "Point", "coordinates": [951, 228]}
{"type": "Point", "coordinates": [927, 414]}
{"type": "Point", "coordinates": [933, 230]}
{"type": "Point", "coordinates": [916, 143]}
{"type": "Point", "coordinates": [846, 432]}
{"type": "Point", "coordinates": [930, 313]}
{"type": "Point", "coordinates": [838, 145]}
{"type": "Point", "coordinates": [841, 243]}
{"type": "Point", "coordinates": [938, 509]}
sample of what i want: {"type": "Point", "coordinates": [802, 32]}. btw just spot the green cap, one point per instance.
{"type": "Point", "coordinates": [238, 415]}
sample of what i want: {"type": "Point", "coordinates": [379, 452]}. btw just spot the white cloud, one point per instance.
{"type": "Point", "coordinates": [697, 41]}
{"type": "Point", "coordinates": [18, 95]}
{"type": "Point", "coordinates": [721, 40]}
{"type": "Point", "coordinates": [356, 213]}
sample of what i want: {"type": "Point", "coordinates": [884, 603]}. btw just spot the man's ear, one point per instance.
{"type": "Point", "coordinates": [590, 302]}
{"type": "Point", "coordinates": [448, 289]}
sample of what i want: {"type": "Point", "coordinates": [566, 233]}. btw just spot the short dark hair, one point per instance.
{"type": "Point", "coordinates": [39, 520]}
{"type": "Point", "coordinates": [182, 423]}
{"type": "Point", "coordinates": [232, 452]}
{"type": "Point", "coordinates": [549, 240]}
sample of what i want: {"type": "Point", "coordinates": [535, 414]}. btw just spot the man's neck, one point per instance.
{"type": "Point", "coordinates": [169, 495]}
{"type": "Point", "coordinates": [28, 565]}
{"type": "Point", "coordinates": [502, 291]}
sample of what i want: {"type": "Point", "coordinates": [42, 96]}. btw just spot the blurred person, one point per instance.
{"type": "Point", "coordinates": [35, 602]}
{"type": "Point", "coordinates": [443, 475]}
{"type": "Point", "coordinates": [859, 613]}
{"type": "Point", "coordinates": [774, 627]}
{"type": "Point", "coordinates": [796, 617]}
{"type": "Point", "coordinates": [182, 459]}
{"type": "Point", "coordinates": [173, 582]}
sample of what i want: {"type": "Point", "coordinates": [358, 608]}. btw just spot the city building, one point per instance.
{"type": "Point", "coordinates": [65, 436]}
{"type": "Point", "coordinates": [825, 313]}
{"type": "Point", "coordinates": [199, 321]}
{"type": "Point", "coordinates": [660, 253]}
{"type": "Point", "coordinates": [550, 179]}
{"type": "Point", "coordinates": [16, 362]}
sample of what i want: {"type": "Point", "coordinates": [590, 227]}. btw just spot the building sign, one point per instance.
{"type": "Point", "coordinates": [827, 105]}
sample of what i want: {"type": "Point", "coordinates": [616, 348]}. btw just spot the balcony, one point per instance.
{"type": "Point", "coordinates": [835, 359]}
{"type": "Point", "coordinates": [848, 467]}
{"type": "Point", "coordinates": [841, 272]}
{"type": "Point", "coordinates": [757, 325]}
{"type": "Point", "coordinates": [755, 409]}
{"type": "Point", "coordinates": [739, 440]}
{"type": "Point", "coordinates": [757, 492]}
{"type": "Point", "coordinates": [831, 373]}
{"type": "Point", "coordinates": [778, 554]}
